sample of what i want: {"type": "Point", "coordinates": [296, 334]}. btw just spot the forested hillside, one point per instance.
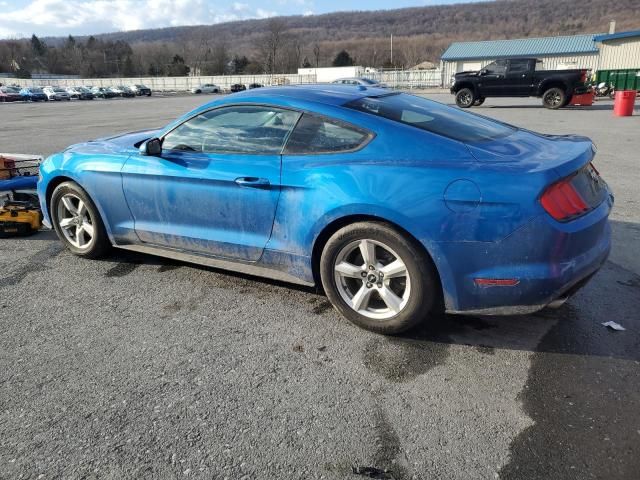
{"type": "Point", "coordinates": [285, 43]}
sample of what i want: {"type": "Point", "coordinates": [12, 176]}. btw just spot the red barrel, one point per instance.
{"type": "Point", "coordinates": [624, 102]}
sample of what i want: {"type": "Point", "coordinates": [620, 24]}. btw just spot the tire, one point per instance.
{"type": "Point", "coordinates": [465, 98]}
{"type": "Point", "coordinates": [409, 296]}
{"type": "Point", "coordinates": [83, 242]}
{"type": "Point", "coordinates": [554, 98]}
{"type": "Point", "coordinates": [612, 93]}
{"type": "Point", "coordinates": [198, 91]}
{"type": "Point", "coordinates": [478, 102]}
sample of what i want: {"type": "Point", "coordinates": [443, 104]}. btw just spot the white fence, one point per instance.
{"type": "Point", "coordinates": [408, 79]}
{"type": "Point", "coordinates": [405, 79]}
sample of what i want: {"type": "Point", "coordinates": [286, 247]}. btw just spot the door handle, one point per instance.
{"type": "Point", "coordinates": [253, 182]}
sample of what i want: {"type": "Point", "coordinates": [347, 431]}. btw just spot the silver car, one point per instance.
{"type": "Point", "coordinates": [206, 88]}
{"type": "Point", "coordinates": [365, 82]}
{"type": "Point", "coordinates": [56, 93]}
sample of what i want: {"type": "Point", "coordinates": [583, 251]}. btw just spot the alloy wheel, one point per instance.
{"type": "Point", "coordinates": [75, 221]}
{"type": "Point", "coordinates": [553, 99]}
{"type": "Point", "coordinates": [372, 279]}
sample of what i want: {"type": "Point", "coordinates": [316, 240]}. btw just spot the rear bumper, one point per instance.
{"type": "Point", "coordinates": [549, 260]}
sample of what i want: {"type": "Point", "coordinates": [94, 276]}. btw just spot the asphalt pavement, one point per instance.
{"type": "Point", "coordinates": [139, 367]}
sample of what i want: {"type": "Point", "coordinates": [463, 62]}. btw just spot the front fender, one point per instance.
{"type": "Point", "coordinates": [99, 176]}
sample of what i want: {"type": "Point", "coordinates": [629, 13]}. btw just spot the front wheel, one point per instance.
{"type": "Point", "coordinates": [77, 221]}
{"type": "Point", "coordinates": [465, 98]}
{"type": "Point", "coordinates": [378, 278]}
{"type": "Point", "coordinates": [554, 98]}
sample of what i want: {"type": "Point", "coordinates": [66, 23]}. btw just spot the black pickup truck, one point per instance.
{"type": "Point", "coordinates": [518, 77]}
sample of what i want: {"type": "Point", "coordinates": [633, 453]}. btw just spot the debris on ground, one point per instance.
{"type": "Point", "coordinates": [372, 472]}
{"type": "Point", "coordinates": [614, 326]}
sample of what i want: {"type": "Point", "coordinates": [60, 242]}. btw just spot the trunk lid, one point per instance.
{"type": "Point", "coordinates": [531, 152]}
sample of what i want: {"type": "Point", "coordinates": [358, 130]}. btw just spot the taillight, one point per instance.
{"type": "Point", "coordinates": [562, 201]}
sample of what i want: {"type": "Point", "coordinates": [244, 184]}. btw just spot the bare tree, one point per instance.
{"type": "Point", "coordinates": [316, 53]}
{"type": "Point", "coordinates": [270, 44]}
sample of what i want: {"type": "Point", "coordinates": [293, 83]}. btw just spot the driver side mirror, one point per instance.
{"type": "Point", "coordinates": [152, 147]}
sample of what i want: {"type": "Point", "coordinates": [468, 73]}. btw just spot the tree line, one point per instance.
{"type": "Point", "coordinates": [277, 52]}
{"type": "Point", "coordinates": [283, 44]}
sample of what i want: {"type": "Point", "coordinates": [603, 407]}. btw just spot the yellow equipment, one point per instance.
{"type": "Point", "coordinates": [19, 218]}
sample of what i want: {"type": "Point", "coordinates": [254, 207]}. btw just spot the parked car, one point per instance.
{"type": "Point", "coordinates": [394, 203]}
{"type": "Point", "coordinates": [126, 91]}
{"type": "Point", "coordinates": [206, 88]}
{"type": "Point", "coordinates": [117, 92]}
{"type": "Point", "coordinates": [33, 94]}
{"type": "Point", "coordinates": [365, 82]}
{"type": "Point", "coordinates": [255, 85]}
{"type": "Point", "coordinates": [519, 77]}
{"type": "Point", "coordinates": [9, 94]}
{"type": "Point", "coordinates": [237, 87]}
{"type": "Point", "coordinates": [56, 93]}
{"type": "Point", "coordinates": [140, 90]}
{"type": "Point", "coordinates": [102, 92]}
{"type": "Point", "coordinates": [80, 93]}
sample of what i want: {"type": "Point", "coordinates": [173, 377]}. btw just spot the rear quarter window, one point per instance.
{"type": "Point", "coordinates": [315, 135]}
{"type": "Point", "coordinates": [432, 117]}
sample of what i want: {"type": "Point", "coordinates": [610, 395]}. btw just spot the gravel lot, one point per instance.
{"type": "Point", "coordinates": [136, 367]}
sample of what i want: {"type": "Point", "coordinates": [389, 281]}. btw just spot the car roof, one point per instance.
{"type": "Point", "coordinates": [328, 94]}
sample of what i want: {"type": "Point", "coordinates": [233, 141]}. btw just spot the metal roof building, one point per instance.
{"type": "Point", "coordinates": [575, 51]}
{"type": "Point", "coordinates": [619, 50]}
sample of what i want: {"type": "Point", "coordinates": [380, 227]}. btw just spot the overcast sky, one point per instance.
{"type": "Point", "coordinates": [21, 18]}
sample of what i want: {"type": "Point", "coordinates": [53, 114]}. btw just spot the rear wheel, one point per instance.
{"type": "Point", "coordinates": [377, 278]}
{"type": "Point", "coordinates": [554, 98]}
{"type": "Point", "coordinates": [77, 221]}
{"type": "Point", "coordinates": [465, 98]}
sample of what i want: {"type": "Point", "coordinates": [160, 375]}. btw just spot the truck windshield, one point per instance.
{"type": "Point", "coordinates": [433, 117]}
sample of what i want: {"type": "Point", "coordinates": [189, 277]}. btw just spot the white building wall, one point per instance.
{"type": "Point", "coordinates": [623, 53]}
{"type": "Point", "coordinates": [329, 74]}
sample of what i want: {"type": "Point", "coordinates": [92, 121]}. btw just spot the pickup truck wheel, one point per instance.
{"type": "Point", "coordinates": [554, 98]}
{"type": "Point", "coordinates": [478, 102]}
{"type": "Point", "coordinates": [465, 98]}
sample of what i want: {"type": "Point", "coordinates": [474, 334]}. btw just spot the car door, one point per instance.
{"type": "Point", "coordinates": [491, 82]}
{"type": "Point", "coordinates": [518, 77]}
{"type": "Point", "coordinates": [215, 187]}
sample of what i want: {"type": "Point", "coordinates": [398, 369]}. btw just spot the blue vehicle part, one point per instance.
{"type": "Point", "coordinates": [465, 202]}
{"type": "Point", "coordinates": [19, 183]}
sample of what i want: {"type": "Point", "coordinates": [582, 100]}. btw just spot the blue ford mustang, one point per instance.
{"type": "Point", "coordinates": [396, 204]}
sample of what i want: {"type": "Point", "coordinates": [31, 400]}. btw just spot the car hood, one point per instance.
{"type": "Point", "coordinates": [533, 152]}
{"type": "Point", "coordinates": [468, 73]}
{"type": "Point", "coordinates": [126, 142]}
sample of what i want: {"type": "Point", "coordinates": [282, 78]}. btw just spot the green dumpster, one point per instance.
{"type": "Point", "coordinates": [621, 79]}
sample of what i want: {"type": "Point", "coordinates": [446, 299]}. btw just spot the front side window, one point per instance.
{"type": "Point", "coordinates": [499, 67]}
{"type": "Point", "coordinates": [432, 116]}
{"type": "Point", "coordinates": [252, 130]}
{"type": "Point", "coordinates": [314, 134]}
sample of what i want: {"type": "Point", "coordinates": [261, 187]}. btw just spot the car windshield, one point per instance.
{"type": "Point", "coordinates": [433, 117]}
{"type": "Point", "coordinates": [59, 90]}
{"type": "Point", "coordinates": [35, 90]}
{"type": "Point", "coordinates": [368, 81]}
